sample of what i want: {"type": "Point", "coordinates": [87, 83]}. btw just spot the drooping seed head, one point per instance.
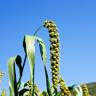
{"type": "Point", "coordinates": [54, 50]}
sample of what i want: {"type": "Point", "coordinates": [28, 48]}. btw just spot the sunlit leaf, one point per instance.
{"type": "Point", "coordinates": [42, 49]}
{"type": "Point", "coordinates": [29, 47]}
{"type": "Point", "coordinates": [12, 74]}
{"type": "Point", "coordinates": [43, 55]}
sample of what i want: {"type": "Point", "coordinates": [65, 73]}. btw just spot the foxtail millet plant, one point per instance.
{"type": "Point", "coordinates": [30, 88]}
{"type": "Point", "coordinates": [54, 50]}
{"type": "Point", "coordinates": [85, 90]}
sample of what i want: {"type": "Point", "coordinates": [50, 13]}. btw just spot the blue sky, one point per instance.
{"type": "Point", "coordinates": [76, 20]}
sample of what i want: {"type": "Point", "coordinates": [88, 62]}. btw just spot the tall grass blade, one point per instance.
{"type": "Point", "coordinates": [12, 74]}
{"type": "Point", "coordinates": [29, 47]}
{"type": "Point", "coordinates": [42, 49]}
{"type": "Point", "coordinates": [47, 82]}
{"type": "Point", "coordinates": [43, 55]}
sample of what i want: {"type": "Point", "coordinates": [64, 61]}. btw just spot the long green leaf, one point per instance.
{"type": "Point", "coordinates": [29, 47]}
{"type": "Point", "coordinates": [47, 82]}
{"type": "Point", "coordinates": [43, 55]}
{"type": "Point", "coordinates": [12, 74]}
{"type": "Point", "coordinates": [42, 49]}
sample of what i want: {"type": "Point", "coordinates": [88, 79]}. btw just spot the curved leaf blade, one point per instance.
{"type": "Point", "coordinates": [12, 74]}
{"type": "Point", "coordinates": [44, 58]}
{"type": "Point", "coordinates": [29, 47]}
{"type": "Point", "coordinates": [11, 71]}
{"type": "Point", "coordinates": [42, 49]}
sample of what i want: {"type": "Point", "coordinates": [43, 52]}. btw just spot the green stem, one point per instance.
{"type": "Point", "coordinates": [37, 30]}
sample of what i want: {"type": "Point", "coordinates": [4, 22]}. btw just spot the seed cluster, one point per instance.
{"type": "Point", "coordinates": [85, 90]}
{"type": "Point", "coordinates": [1, 75]}
{"type": "Point", "coordinates": [64, 89]}
{"type": "Point", "coordinates": [54, 50]}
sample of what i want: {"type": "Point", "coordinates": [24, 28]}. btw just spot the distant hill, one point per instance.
{"type": "Point", "coordinates": [92, 88]}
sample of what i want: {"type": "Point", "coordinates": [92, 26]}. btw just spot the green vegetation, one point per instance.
{"type": "Point", "coordinates": [58, 87]}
